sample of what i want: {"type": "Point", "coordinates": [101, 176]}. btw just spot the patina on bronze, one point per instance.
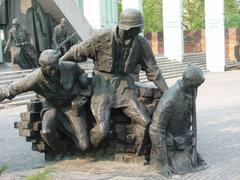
{"type": "Point", "coordinates": [60, 84]}
{"type": "Point", "coordinates": [173, 129]}
{"type": "Point", "coordinates": [117, 53]}
{"type": "Point", "coordinates": [23, 52]}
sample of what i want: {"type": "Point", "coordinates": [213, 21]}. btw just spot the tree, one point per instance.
{"type": "Point", "coordinates": [193, 14]}
{"type": "Point", "coordinates": [152, 12]}
{"type": "Point", "coordinates": [232, 14]}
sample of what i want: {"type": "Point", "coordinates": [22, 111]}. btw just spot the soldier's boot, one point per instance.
{"type": "Point", "coordinates": [52, 140]}
{"type": "Point", "coordinates": [98, 133]}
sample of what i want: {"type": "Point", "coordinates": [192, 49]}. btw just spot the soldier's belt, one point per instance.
{"type": "Point", "coordinates": [21, 44]}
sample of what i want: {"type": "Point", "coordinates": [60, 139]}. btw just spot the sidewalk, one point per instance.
{"type": "Point", "coordinates": [218, 113]}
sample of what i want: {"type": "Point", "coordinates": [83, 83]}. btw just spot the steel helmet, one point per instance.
{"type": "Point", "coordinates": [48, 57]}
{"type": "Point", "coordinates": [15, 21]}
{"type": "Point", "coordinates": [130, 18]}
{"type": "Point", "coordinates": [193, 73]}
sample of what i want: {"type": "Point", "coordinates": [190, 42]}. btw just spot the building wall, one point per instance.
{"type": "Point", "coordinates": [194, 42]}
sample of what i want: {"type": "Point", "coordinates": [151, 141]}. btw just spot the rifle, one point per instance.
{"type": "Point", "coordinates": [194, 129]}
{"type": "Point", "coordinates": [66, 40]}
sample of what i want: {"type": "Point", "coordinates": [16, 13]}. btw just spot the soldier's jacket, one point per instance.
{"type": "Point", "coordinates": [111, 56]}
{"type": "Point", "coordinates": [59, 91]}
{"type": "Point", "coordinates": [171, 121]}
{"type": "Point", "coordinates": [173, 113]}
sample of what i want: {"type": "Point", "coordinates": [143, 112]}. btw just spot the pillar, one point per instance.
{"type": "Point", "coordinates": [92, 12]}
{"type": "Point", "coordinates": [101, 13]}
{"type": "Point", "coordinates": [215, 38]}
{"type": "Point", "coordinates": [135, 4]}
{"type": "Point", "coordinates": [1, 53]}
{"type": "Point", "coordinates": [109, 13]}
{"type": "Point", "coordinates": [173, 29]}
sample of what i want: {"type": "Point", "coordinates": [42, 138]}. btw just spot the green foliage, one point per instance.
{"type": "Point", "coordinates": [3, 167]}
{"type": "Point", "coordinates": [232, 21]}
{"type": "Point", "coordinates": [232, 14]}
{"type": "Point", "coordinates": [119, 6]}
{"type": "Point", "coordinates": [193, 17]}
{"type": "Point", "coordinates": [152, 12]}
{"type": "Point", "coordinates": [45, 174]}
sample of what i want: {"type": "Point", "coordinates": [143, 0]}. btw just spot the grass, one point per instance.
{"type": "Point", "coordinates": [45, 174]}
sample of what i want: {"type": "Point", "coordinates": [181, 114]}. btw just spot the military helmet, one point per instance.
{"type": "Point", "coordinates": [193, 73]}
{"type": "Point", "coordinates": [15, 21]}
{"type": "Point", "coordinates": [130, 18]}
{"type": "Point", "coordinates": [48, 57]}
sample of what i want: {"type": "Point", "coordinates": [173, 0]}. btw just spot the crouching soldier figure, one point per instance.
{"type": "Point", "coordinates": [173, 128]}
{"type": "Point", "coordinates": [60, 84]}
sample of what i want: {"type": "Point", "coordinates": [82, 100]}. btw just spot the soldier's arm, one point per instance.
{"type": "Point", "coordinates": [150, 66]}
{"type": "Point", "coordinates": [81, 51]}
{"type": "Point", "coordinates": [25, 84]}
{"type": "Point", "coordinates": [9, 41]}
{"type": "Point", "coordinates": [54, 37]}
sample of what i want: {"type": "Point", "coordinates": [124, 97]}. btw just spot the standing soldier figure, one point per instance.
{"type": "Point", "coordinates": [117, 54]}
{"type": "Point", "coordinates": [59, 35]}
{"type": "Point", "coordinates": [23, 52]}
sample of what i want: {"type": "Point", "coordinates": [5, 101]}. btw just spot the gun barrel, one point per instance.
{"type": "Point", "coordinates": [66, 40]}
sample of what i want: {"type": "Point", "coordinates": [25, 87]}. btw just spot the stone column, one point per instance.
{"type": "Point", "coordinates": [92, 12]}
{"type": "Point", "coordinates": [101, 13]}
{"type": "Point", "coordinates": [109, 13]}
{"type": "Point", "coordinates": [1, 53]}
{"type": "Point", "coordinates": [135, 4]}
{"type": "Point", "coordinates": [215, 40]}
{"type": "Point", "coordinates": [173, 29]}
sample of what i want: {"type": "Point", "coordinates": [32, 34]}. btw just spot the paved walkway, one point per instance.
{"type": "Point", "coordinates": [218, 108]}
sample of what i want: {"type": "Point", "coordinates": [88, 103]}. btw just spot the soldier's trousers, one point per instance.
{"type": "Point", "coordinates": [116, 91]}
{"type": "Point", "coordinates": [59, 122]}
{"type": "Point", "coordinates": [101, 108]}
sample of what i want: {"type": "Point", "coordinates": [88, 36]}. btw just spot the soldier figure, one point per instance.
{"type": "Point", "coordinates": [59, 35]}
{"type": "Point", "coordinates": [172, 130]}
{"type": "Point", "coordinates": [237, 51]}
{"type": "Point", "coordinates": [23, 52]}
{"type": "Point", "coordinates": [59, 83]}
{"type": "Point", "coordinates": [117, 54]}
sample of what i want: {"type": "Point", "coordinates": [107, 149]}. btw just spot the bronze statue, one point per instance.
{"type": "Point", "coordinates": [173, 129]}
{"type": "Point", "coordinates": [59, 35]}
{"type": "Point", "coordinates": [23, 52]}
{"type": "Point", "coordinates": [117, 54]}
{"type": "Point", "coordinates": [237, 51]}
{"type": "Point", "coordinates": [60, 84]}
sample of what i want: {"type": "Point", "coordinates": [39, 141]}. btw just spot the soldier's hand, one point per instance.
{"type": "Point", "coordinates": [166, 171]}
